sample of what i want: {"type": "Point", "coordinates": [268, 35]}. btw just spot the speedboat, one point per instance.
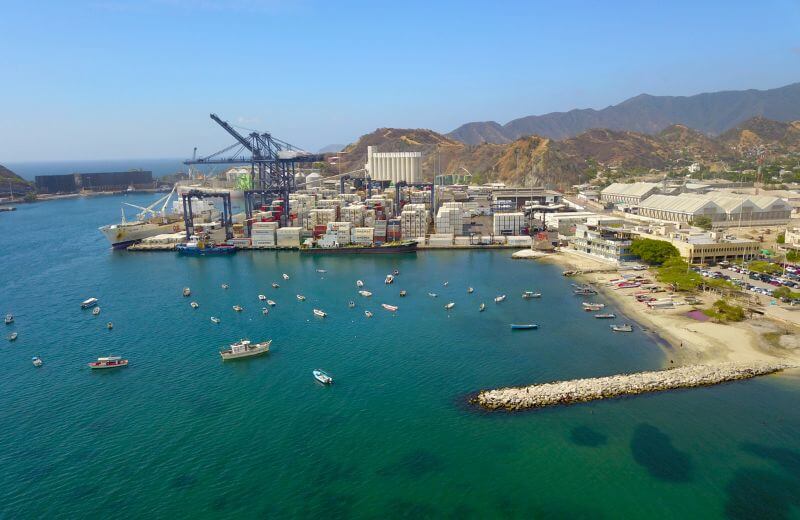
{"type": "Point", "coordinates": [525, 326]}
{"type": "Point", "coordinates": [622, 328]}
{"type": "Point", "coordinates": [500, 298]}
{"type": "Point", "coordinates": [187, 292]}
{"type": "Point", "coordinates": [285, 276]}
{"type": "Point", "coordinates": [9, 319]}
{"type": "Point", "coordinates": [320, 313]}
{"type": "Point", "coordinates": [300, 297]}
{"type": "Point", "coordinates": [607, 316]}
{"type": "Point", "coordinates": [195, 305]}
{"type": "Point", "coordinates": [389, 307]}
{"type": "Point", "coordinates": [96, 311]}
{"type": "Point", "coordinates": [470, 290]}
{"type": "Point", "coordinates": [265, 310]}
{"type": "Point", "coordinates": [244, 348]}
{"type": "Point", "coordinates": [225, 286]}
{"type": "Point", "coordinates": [12, 336]}
{"type": "Point", "coordinates": [91, 302]}
{"type": "Point", "coordinates": [403, 293]}
{"type": "Point", "coordinates": [238, 308]}
{"type": "Point", "coordinates": [109, 325]}
{"type": "Point", "coordinates": [262, 298]}
{"type": "Point", "coordinates": [432, 294]}
{"type": "Point", "coordinates": [389, 279]}
{"type": "Point", "coordinates": [367, 314]}
{"type": "Point", "coordinates": [37, 361]}
{"type": "Point", "coordinates": [449, 306]}
{"type": "Point", "coordinates": [359, 283]}
{"type": "Point", "coordinates": [271, 303]}
{"type": "Point", "coordinates": [275, 285]}
{"type": "Point", "coordinates": [109, 362]}
{"type": "Point", "coordinates": [214, 319]}
{"type": "Point", "coordinates": [322, 377]}
{"type": "Point", "coordinates": [530, 294]}
{"type": "Point", "coordinates": [482, 307]}
{"type": "Point", "coordinates": [351, 304]}
{"type": "Point", "coordinates": [365, 294]}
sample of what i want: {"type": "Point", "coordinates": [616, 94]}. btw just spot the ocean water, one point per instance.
{"type": "Point", "coordinates": [180, 434]}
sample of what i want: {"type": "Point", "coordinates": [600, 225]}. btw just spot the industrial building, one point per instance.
{"type": "Point", "coordinates": [698, 247]}
{"type": "Point", "coordinates": [394, 166]}
{"type": "Point", "coordinates": [610, 243]}
{"type": "Point", "coordinates": [724, 209]}
{"type": "Point", "coordinates": [101, 181]}
{"type": "Point", "coordinates": [631, 193]}
{"type": "Point", "coordinates": [513, 199]}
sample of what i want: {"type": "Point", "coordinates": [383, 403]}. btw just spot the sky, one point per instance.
{"type": "Point", "coordinates": [106, 79]}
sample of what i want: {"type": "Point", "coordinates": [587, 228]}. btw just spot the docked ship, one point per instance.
{"type": "Point", "coordinates": [407, 246]}
{"type": "Point", "coordinates": [244, 348]}
{"type": "Point", "coordinates": [196, 246]}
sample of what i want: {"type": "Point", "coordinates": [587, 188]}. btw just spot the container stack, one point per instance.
{"type": "Point", "coordinates": [353, 214]}
{"type": "Point", "coordinates": [508, 223]}
{"type": "Point", "coordinates": [262, 234]}
{"type": "Point", "coordinates": [414, 220]}
{"type": "Point", "coordinates": [341, 230]}
{"type": "Point", "coordinates": [288, 236]}
{"type": "Point", "coordinates": [393, 230]}
{"type": "Point", "coordinates": [440, 240]}
{"type": "Point", "coordinates": [349, 198]}
{"type": "Point", "coordinates": [320, 217]}
{"type": "Point", "coordinates": [369, 217]}
{"type": "Point", "coordinates": [449, 219]}
{"type": "Point", "coordinates": [362, 236]}
{"type": "Point", "coordinates": [380, 231]}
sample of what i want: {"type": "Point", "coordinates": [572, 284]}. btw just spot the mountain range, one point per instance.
{"type": "Point", "coordinates": [710, 113]}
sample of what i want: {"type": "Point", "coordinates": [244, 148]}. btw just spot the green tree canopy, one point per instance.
{"type": "Point", "coordinates": [703, 222]}
{"type": "Point", "coordinates": [653, 252]}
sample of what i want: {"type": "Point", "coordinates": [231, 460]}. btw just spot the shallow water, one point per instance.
{"type": "Point", "coordinates": [181, 434]}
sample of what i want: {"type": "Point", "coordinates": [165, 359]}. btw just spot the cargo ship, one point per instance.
{"type": "Point", "coordinates": [409, 246]}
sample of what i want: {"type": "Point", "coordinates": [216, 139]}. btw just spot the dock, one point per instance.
{"type": "Point", "coordinates": [592, 389]}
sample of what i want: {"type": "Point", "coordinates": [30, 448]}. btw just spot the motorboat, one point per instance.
{"type": "Point", "coordinates": [215, 319]}
{"type": "Point", "coordinates": [109, 325]}
{"type": "Point", "coordinates": [195, 305]}
{"type": "Point", "coordinates": [108, 362]}
{"type": "Point", "coordinates": [365, 294]}
{"type": "Point", "coordinates": [301, 298]}
{"type": "Point", "coordinates": [225, 286]}
{"type": "Point", "coordinates": [96, 311]}
{"type": "Point", "coordinates": [9, 319]}
{"type": "Point", "coordinates": [530, 294]}
{"type": "Point", "coordinates": [322, 377]}
{"type": "Point", "coordinates": [37, 361]}
{"type": "Point", "coordinates": [351, 304]}
{"type": "Point", "coordinates": [367, 314]}
{"type": "Point", "coordinates": [359, 283]}
{"type": "Point", "coordinates": [584, 291]}
{"type": "Point", "coordinates": [622, 328]}
{"type": "Point", "coordinates": [275, 285]}
{"type": "Point", "coordinates": [593, 306]}
{"type": "Point", "coordinates": [470, 290]}
{"type": "Point", "coordinates": [403, 293]}
{"type": "Point", "coordinates": [238, 308]}
{"type": "Point", "coordinates": [285, 276]}
{"type": "Point", "coordinates": [432, 294]}
{"type": "Point", "coordinates": [321, 271]}
{"type": "Point", "coordinates": [607, 316]}
{"type": "Point", "coordinates": [12, 336]}
{"type": "Point", "coordinates": [91, 302]}
{"type": "Point", "coordinates": [271, 303]}
{"type": "Point", "coordinates": [524, 326]}
{"type": "Point", "coordinates": [262, 298]}
{"type": "Point", "coordinates": [264, 310]}
{"type": "Point", "coordinates": [187, 292]}
{"type": "Point", "coordinates": [482, 307]}
{"type": "Point", "coordinates": [449, 306]}
{"type": "Point", "coordinates": [389, 279]}
{"type": "Point", "coordinates": [245, 348]}
{"type": "Point", "coordinates": [320, 313]}
{"type": "Point", "coordinates": [500, 298]}
{"type": "Point", "coordinates": [445, 284]}
{"type": "Point", "coordinates": [388, 307]}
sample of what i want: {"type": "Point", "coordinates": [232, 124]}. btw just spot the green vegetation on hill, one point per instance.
{"type": "Point", "coordinates": [11, 181]}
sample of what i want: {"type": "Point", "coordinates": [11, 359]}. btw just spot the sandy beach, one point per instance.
{"type": "Point", "coordinates": [687, 340]}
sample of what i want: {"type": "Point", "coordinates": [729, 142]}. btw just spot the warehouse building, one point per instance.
{"type": "Point", "coordinates": [724, 209]}
{"type": "Point", "coordinates": [631, 194]}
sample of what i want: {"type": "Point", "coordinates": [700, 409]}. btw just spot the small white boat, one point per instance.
{"type": "Point", "coordinates": [91, 302]}
{"type": "Point", "coordinates": [470, 290]}
{"type": "Point", "coordinates": [195, 305]}
{"type": "Point", "coordinates": [432, 294]}
{"type": "Point", "coordinates": [482, 307]}
{"type": "Point", "coordinates": [389, 307]}
{"type": "Point", "coordinates": [365, 294]}
{"type": "Point", "coordinates": [37, 361]}
{"type": "Point", "coordinates": [9, 319]}
{"type": "Point", "coordinates": [262, 298]}
{"type": "Point", "coordinates": [238, 308]}
{"type": "Point", "coordinates": [607, 316]}
{"type": "Point", "coordinates": [592, 306]}
{"type": "Point", "coordinates": [367, 314]}
{"type": "Point", "coordinates": [301, 298]}
{"type": "Point", "coordinates": [320, 313]}
{"type": "Point", "coordinates": [187, 291]}
{"type": "Point", "coordinates": [214, 319]}
{"type": "Point", "coordinates": [351, 304]}
{"type": "Point", "coordinates": [109, 325]}
{"type": "Point", "coordinates": [449, 306]}
{"type": "Point", "coordinates": [265, 310]}
{"type": "Point", "coordinates": [274, 285]}
{"type": "Point", "coordinates": [285, 276]}
{"type": "Point", "coordinates": [527, 295]}
{"type": "Point", "coordinates": [322, 377]}
{"type": "Point", "coordinates": [622, 328]}
{"type": "Point", "coordinates": [359, 283]}
{"type": "Point", "coordinates": [321, 271]}
{"type": "Point", "coordinates": [445, 284]}
{"type": "Point", "coordinates": [403, 293]}
{"type": "Point", "coordinates": [12, 336]}
{"type": "Point", "coordinates": [225, 286]}
{"type": "Point", "coordinates": [96, 311]}
{"type": "Point", "coordinates": [500, 298]}
{"type": "Point", "coordinates": [271, 303]}
{"type": "Point", "coordinates": [244, 348]}
{"type": "Point", "coordinates": [389, 279]}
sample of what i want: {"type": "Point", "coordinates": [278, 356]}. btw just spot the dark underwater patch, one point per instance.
{"type": "Point", "coordinates": [760, 494]}
{"type": "Point", "coordinates": [787, 459]}
{"type": "Point", "coordinates": [413, 465]}
{"type": "Point", "coordinates": [409, 509]}
{"type": "Point", "coordinates": [653, 450]}
{"type": "Point", "coordinates": [586, 436]}
{"type": "Point", "coordinates": [183, 481]}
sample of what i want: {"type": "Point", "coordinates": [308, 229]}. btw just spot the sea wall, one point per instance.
{"type": "Point", "coordinates": [591, 389]}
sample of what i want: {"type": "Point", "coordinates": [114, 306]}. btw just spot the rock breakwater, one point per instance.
{"type": "Point", "coordinates": [591, 389]}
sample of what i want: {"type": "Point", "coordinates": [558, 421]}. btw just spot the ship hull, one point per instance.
{"type": "Point", "coordinates": [410, 247]}
{"type": "Point", "coordinates": [122, 236]}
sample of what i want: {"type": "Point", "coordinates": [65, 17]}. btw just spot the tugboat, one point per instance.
{"type": "Point", "coordinates": [9, 319]}
{"type": "Point", "coordinates": [322, 377]}
{"type": "Point", "coordinates": [108, 362]}
{"type": "Point", "coordinates": [244, 348]}
{"type": "Point", "coordinates": [197, 246]}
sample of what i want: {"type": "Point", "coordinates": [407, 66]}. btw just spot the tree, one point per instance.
{"type": "Point", "coordinates": [723, 311]}
{"type": "Point", "coordinates": [781, 238]}
{"type": "Point", "coordinates": [702, 222]}
{"type": "Point", "coordinates": [30, 196]}
{"type": "Point", "coordinates": [653, 252]}
{"type": "Point", "coordinates": [792, 256]}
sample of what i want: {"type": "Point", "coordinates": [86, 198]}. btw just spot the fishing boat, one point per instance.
{"type": "Point", "coordinates": [91, 302]}
{"type": "Point", "coordinates": [607, 316]}
{"type": "Point", "coordinates": [195, 305]}
{"type": "Point", "coordinates": [264, 310]}
{"type": "Point", "coordinates": [432, 294]}
{"type": "Point", "coordinates": [37, 361]}
{"type": "Point", "coordinates": [367, 314]}
{"type": "Point", "coordinates": [225, 286]}
{"type": "Point", "coordinates": [244, 348]}
{"type": "Point", "coordinates": [470, 290]}
{"type": "Point", "coordinates": [403, 293]}
{"type": "Point", "coordinates": [593, 306]}
{"type": "Point", "coordinates": [238, 308]}
{"type": "Point", "coordinates": [262, 298]}
{"type": "Point", "coordinates": [187, 292]}
{"type": "Point", "coordinates": [524, 326]}
{"type": "Point", "coordinates": [285, 276]}
{"type": "Point", "coordinates": [9, 319]}
{"type": "Point", "coordinates": [584, 291]}
{"type": "Point", "coordinates": [359, 283]}
{"type": "Point", "coordinates": [320, 313]}
{"type": "Point", "coordinates": [214, 319]}
{"type": "Point", "coordinates": [12, 336]}
{"type": "Point", "coordinates": [449, 306]}
{"type": "Point", "coordinates": [626, 327]}
{"type": "Point", "coordinates": [365, 294]}
{"type": "Point", "coordinates": [301, 298]}
{"type": "Point", "coordinates": [275, 285]}
{"type": "Point", "coordinates": [351, 304]}
{"type": "Point", "coordinates": [108, 362]}
{"type": "Point", "coordinates": [500, 298]}
{"type": "Point", "coordinates": [96, 311]}
{"type": "Point", "coordinates": [322, 377]}
{"type": "Point", "coordinates": [271, 303]}
{"type": "Point", "coordinates": [527, 295]}
{"type": "Point", "coordinates": [109, 325]}
{"type": "Point", "coordinates": [389, 307]}
{"type": "Point", "coordinates": [482, 307]}
{"type": "Point", "coordinates": [389, 279]}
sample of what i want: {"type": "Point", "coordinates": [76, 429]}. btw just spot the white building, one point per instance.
{"type": "Point", "coordinates": [508, 223]}
{"type": "Point", "coordinates": [632, 194]}
{"type": "Point", "coordinates": [394, 166]}
{"type": "Point", "coordinates": [724, 209]}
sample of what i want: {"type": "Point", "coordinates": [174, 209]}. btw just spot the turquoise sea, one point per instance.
{"type": "Point", "coordinates": [179, 434]}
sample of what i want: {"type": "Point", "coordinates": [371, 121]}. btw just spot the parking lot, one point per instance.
{"type": "Point", "coordinates": [756, 283]}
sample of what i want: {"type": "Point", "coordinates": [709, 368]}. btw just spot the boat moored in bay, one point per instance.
{"type": "Point", "coordinates": [91, 302]}
{"type": "Point", "coordinates": [626, 327]}
{"type": "Point", "coordinates": [524, 326]}
{"type": "Point", "coordinates": [108, 362]}
{"type": "Point", "coordinates": [322, 377]}
{"type": "Point", "coordinates": [245, 348]}
{"type": "Point", "coordinates": [388, 307]}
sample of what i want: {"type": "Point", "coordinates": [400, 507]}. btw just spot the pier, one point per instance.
{"type": "Point", "coordinates": [592, 389]}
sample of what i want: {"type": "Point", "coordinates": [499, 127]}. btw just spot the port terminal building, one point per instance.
{"type": "Point", "coordinates": [100, 181]}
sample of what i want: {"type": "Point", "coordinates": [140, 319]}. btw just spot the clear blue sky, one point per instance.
{"type": "Point", "coordinates": [137, 78]}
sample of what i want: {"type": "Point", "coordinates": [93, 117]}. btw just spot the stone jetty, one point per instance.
{"type": "Point", "coordinates": [591, 389]}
